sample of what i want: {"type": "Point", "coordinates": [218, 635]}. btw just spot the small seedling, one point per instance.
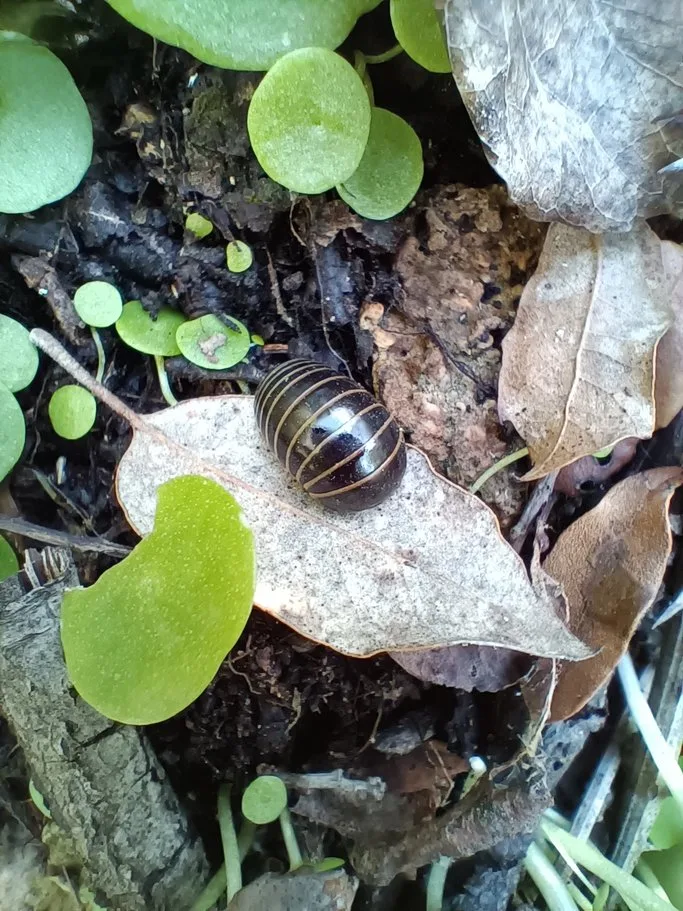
{"type": "Point", "coordinates": [208, 342]}
{"type": "Point", "coordinates": [38, 799]}
{"type": "Point", "coordinates": [198, 225]}
{"type": "Point", "coordinates": [9, 565]}
{"type": "Point", "coordinates": [18, 366]}
{"type": "Point", "coordinates": [45, 129]}
{"type": "Point", "coordinates": [418, 31]}
{"type": "Point", "coordinates": [12, 431]}
{"type": "Point", "coordinates": [72, 411]}
{"type": "Point", "coordinates": [390, 171]}
{"type": "Point", "coordinates": [99, 305]}
{"type": "Point", "coordinates": [264, 799]}
{"type": "Point", "coordinates": [148, 637]}
{"type": "Point", "coordinates": [18, 355]}
{"type": "Point", "coordinates": [238, 256]}
{"type": "Point", "coordinates": [152, 336]}
{"type": "Point", "coordinates": [309, 120]}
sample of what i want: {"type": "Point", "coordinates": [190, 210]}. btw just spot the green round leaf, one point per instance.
{"type": "Point", "coordinates": [264, 799]}
{"type": "Point", "coordinates": [98, 304]}
{"type": "Point", "coordinates": [257, 340]}
{"type": "Point", "coordinates": [147, 638]}
{"type": "Point", "coordinates": [198, 225]}
{"type": "Point", "coordinates": [12, 431]}
{"type": "Point", "coordinates": [238, 256]}
{"type": "Point", "coordinates": [418, 31]}
{"type": "Point", "coordinates": [150, 336]}
{"type": "Point", "coordinates": [209, 343]}
{"type": "Point", "coordinates": [45, 129]}
{"type": "Point", "coordinates": [9, 565]}
{"type": "Point", "coordinates": [18, 355]}
{"type": "Point", "coordinates": [309, 120]}
{"type": "Point", "coordinates": [72, 411]}
{"type": "Point", "coordinates": [390, 171]}
{"type": "Point", "coordinates": [244, 34]}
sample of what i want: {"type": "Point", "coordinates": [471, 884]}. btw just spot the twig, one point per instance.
{"type": "Point", "coordinates": [62, 538]}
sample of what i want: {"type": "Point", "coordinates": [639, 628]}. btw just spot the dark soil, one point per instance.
{"type": "Point", "coordinates": [278, 700]}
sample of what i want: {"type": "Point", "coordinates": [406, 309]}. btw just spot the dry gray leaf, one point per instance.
{"type": "Point", "coordinates": [578, 363]}
{"type": "Point", "coordinates": [569, 98]}
{"type": "Point", "coordinates": [428, 568]}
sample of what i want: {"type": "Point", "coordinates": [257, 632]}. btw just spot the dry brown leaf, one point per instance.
{"type": "Point", "coordinates": [462, 266]}
{"type": "Point", "coordinates": [428, 568]}
{"type": "Point", "coordinates": [611, 562]}
{"type": "Point", "coordinates": [466, 667]}
{"type": "Point", "coordinates": [333, 891]}
{"type": "Point", "coordinates": [669, 369]}
{"type": "Point", "coordinates": [573, 478]}
{"type": "Point", "coordinates": [578, 364]}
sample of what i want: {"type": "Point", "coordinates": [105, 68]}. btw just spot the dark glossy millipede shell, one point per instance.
{"type": "Point", "coordinates": [338, 442]}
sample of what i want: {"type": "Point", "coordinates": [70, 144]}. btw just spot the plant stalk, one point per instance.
{"type": "Point", "coordinates": [233, 869]}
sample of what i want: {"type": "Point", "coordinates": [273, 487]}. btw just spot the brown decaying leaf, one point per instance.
{"type": "Point", "coordinates": [669, 363]}
{"type": "Point", "coordinates": [437, 361]}
{"type": "Point", "coordinates": [571, 479]}
{"type": "Point", "coordinates": [611, 563]}
{"type": "Point", "coordinates": [578, 364]}
{"type": "Point", "coordinates": [572, 101]}
{"type": "Point", "coordinates": [333, 891]}
{"type": "Point", "coordinates": [466, 667]}
{"type": "Point", "coordinates": [428, 568]}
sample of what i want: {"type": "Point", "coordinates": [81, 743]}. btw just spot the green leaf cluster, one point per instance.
{"type": "Point", "coordinates": [148, 637]}
{"type": "Point", "coordinates": [45, 129]}
{"type": "Point", "coordinates": [18, 366]}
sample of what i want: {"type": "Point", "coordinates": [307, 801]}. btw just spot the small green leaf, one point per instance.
{"type": "Point", "coordinates": [390, 171]}
{"type": "Point", "coordinates": [209, 343]}
{"type": "Point", "coordinates": [329, 863]}
{"type": "Point", "coordinates": [98, 304]}
{"type": "Point", "coordinates": [12, 431]}
{"type": "Point", "coordinates": [309, 120]}
{"type": "Point", "coordinates": [667, 829]}
{"type": "Point", "coordinates": [72, 412]}
{"type": "Point", "coordinates": [257, 340]}
{"type": "Point", "coordinates": [244, 34]}
{"type": "Point", "coordinates": [45, 129]}
{"type": "Point", "coordinates": [18, 355]}
{"type": "Point", "coordinates": [198, 225]}
{"type": "Point", "coordinates": [150, 336]}
{"type": "Point", "coordinates": [238, 256]}
{"type": "Point", "coordinates": [148, 637]}
{"type": "Point", "coordinates": [264, 799]}
{"type": "Point", "coordinates": [418, 31]}
{"type": "Point", "coordinates": [38, 799]}
{"type": "Point", "coordinates": [9, 565]}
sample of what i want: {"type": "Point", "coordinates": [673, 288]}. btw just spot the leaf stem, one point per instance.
{"type": "Point", "coordinates": [99, 376]}
{"type": "Point", "coordinates": [217, 885]}
{"type": "Point", "coordinates": [436, 882]}
{"type": "Point", "coordinates": [233, 869]}
{"type": "Point", "coordinates": [660, 751]}
{"type": "Point", "coordinates": [289, 836]}
{"type": "Point", "coordinates": [548, 881]}
{"type": "Point", "coordinates": [163, 381]}
{"type": "Point", "coordinates": [387, 55]}
{"type": "Point", "coordinates": [498, 466]}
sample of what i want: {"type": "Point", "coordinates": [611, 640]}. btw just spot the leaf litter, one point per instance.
{"type": "Point", "coordinates": [611, 563]}
{"type": "Point", "coordinates": [578, 363]}
{"type": "Point", "coordinates": [427, 568]}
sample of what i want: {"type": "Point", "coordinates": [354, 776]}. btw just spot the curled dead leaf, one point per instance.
{"type": "Point", "coordinates": [669, 364]}
{"type": "Point", "coordinates": [428, 568]}
{"type": "Point", "coordinates": [466, 667]}
{"type": "Point", "coordinates": [578, 363]}
{"type": "Point", "coordinates": [333, 891]}
{"type": "Point", "coordinates": [588, 472]}
{"type": "Point", "coordinates": [611, 563]}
